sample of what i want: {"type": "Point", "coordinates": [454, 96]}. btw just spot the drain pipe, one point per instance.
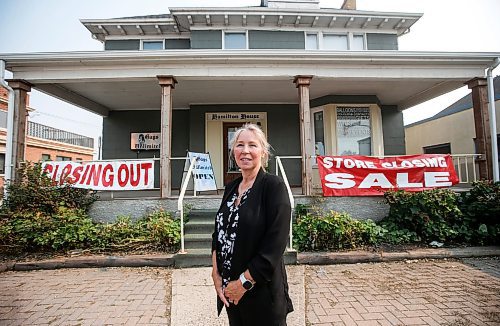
{"type": "Point", "coordinates": [493, 120]}
{"type": "Point", "coordinates": [10, 127]}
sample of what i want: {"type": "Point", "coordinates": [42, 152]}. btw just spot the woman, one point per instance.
{"type": "Point", "coordinates": [251, 231]}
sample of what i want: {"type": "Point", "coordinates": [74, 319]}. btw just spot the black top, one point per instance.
{"type": "Point", "coordinates": [226, 226]}
{"type": "Point", "coordinates": [260, 239]}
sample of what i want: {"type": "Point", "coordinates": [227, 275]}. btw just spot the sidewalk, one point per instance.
{"type": "Point", "coordinates": [408, 292]}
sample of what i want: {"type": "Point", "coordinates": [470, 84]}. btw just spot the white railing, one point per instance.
{"type": "Point", "coordinates": [464, 163]}
{"type": "Point", "coordinates": [279, 167]}
{"type": "Point", "coordinates": [180, 204]}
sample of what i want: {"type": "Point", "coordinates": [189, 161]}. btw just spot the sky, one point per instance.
{"type": "Point", "coordinates": [54, 26]}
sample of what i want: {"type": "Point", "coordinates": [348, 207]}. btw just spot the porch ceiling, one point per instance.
{"type": "Point", "coordinates": [145, 94]}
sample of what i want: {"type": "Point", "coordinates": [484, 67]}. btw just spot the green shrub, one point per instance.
{"type": "Point", "coordinates": [70, 229]}
{"type": "Point", "coordinates": [163, 229]}
{"type": "Point", "coordinates": [443, 215]}
{"type": "Point", "coordinates": [481, 209]}
{"type": "Point", "coordinates": [36, 192]}
{"type": "Point", "coordinates": [66, 229]}
{"type": "Point", "coordinates": [427, 215]}
{"type": "Point", "coordinates": [333, 231]}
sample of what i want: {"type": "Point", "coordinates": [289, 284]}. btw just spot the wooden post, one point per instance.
{"type": "Point", "coordinates": [303, 83]}
{"type": "Point", "coordinates": [167, 83]}
{"type": "Point", "coordinates": [21, 89]}
{"type": "Point", "coordinates": [482, 126]}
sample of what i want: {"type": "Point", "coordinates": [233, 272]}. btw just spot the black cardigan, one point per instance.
{"type": "Point", "coordinates": [262, 234]}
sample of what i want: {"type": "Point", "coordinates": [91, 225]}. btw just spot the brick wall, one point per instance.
{"type": "Point", "coordinates": [36, 147]}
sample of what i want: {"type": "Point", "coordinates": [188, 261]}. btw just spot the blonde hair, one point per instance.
{"type": "Point", "coordinates": [261, 137]}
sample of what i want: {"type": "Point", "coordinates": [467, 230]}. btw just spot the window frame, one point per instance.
{"type": "Point", "coordinates": [151, 41]}
{"type": "Point", "coordinates": [245, 32]}
{"type": "Point", "coordinates": [313, 132]}
{"type": "Point", "coordinates": [48, 156]}
{"type": "Point", "coordinates": [334, 34]}
{"type": "Point", "coordinates": [306, 33]}
{"type": "Point", "coordinates": [351, 41]}
{"type": "Point", "coordinates": [63, 158]}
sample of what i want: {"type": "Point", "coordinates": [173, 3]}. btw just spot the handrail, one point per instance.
{"type": "Point", "coordinates": [290, 195]}
{"type": "Point", "coordinates": [180, 205]}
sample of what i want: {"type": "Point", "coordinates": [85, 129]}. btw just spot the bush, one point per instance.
{"type": "Point", "coordinates": [333, 231]}
{"type": "Point", "coordinates": [36, 192]}
{"type": "Point", "coordinates": [72, 229]}
{"type": "Point", "coordinates": [481, 208]}
{"type": "Point", "coordinates": [66, 229]}
{"type": "Point", "coordinates": [445, 216]}
{"type": "Point", "coordinates": [422, 216]}
{"type": "Point", "coordinates": [39, 216]}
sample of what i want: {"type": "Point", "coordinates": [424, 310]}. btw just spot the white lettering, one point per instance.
{"type": "Point", "coordinates": [375, 180]}
{"type": "Point", "coordinates": [327, 162]}
{"type": "Point", "coordinates": [402, 181]}
{"type": "Point", "coordinates": [339, 180]}
{"type": "Point", "coordinates": [437, 179]}
{"type": "Point", "coordinates": [348, 163]}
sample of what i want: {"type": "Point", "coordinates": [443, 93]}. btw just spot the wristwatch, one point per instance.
{"type": "Point", "coordinates": [246, 283]}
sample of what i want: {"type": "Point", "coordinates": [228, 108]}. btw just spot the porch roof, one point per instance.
{"type": "Point", "coordinates": [127, 80]}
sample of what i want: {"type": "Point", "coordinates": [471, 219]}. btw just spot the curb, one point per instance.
{"type": "Point", "coordinates": [92, 262]}
{"type": "Point", "coordinates": [305, 258]}
{"type": "Point", "coordinates": [354, 257]}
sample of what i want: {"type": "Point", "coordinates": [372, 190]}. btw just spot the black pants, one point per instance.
{"type": "Point", "coordinates": [240, 318]}
{"type": "Point", "coordinates": [257, 308]}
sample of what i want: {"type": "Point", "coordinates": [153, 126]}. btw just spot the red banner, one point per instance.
{"type": "Point", "coordinates": [103, 175]}
{"type": "Point", "coordinates": [371, 176]}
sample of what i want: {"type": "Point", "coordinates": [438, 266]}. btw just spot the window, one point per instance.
{"type": "Point", "coordinates": [45, 157]}
{"type": "Point", "coordinates": [2, 163]}
{"type": "Point", "coordinates": [438, 149]}
{"type": "Point", "coordinates": [334, 42]}
{"type": "Point", "coordinates": [311, 41]}
{"type": "Point", "coordinates": [358, 42]}
{"type": "Point", "coordinates": [354, 131]}
{"type": "Point", "coordinates": [152, 45]}
{"type": "Point", "coordinates": [319, 133]}
{"type": "Point", "coordinates": [78, 159]}
{"type": "Point", "coordinates": [63, 158]}
{"type": "Point", "coordinates": [235, 40]}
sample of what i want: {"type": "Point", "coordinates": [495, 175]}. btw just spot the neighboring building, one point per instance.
{"type": "Point", "coordinates": [44, 143]}
{"type": "Point", "coordinates": [318, 81]}
{"type": "Point", "coordinates": [450, 131]}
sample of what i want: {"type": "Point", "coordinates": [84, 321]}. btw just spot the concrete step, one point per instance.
{"type": "Point", "coordinates": [198, 241]}
{"type": "Point", "coordinates": [193, 258]}
{"type": "Point", "coordinates": [202, 214]}
{"type": "Point", "coordinates": [201, 226]}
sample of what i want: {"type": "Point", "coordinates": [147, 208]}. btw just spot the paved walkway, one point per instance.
{"type": "Point", "coordinates": [440, 292]}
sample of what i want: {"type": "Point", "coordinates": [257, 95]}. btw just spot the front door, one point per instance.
{"type": "Point", "coordinates": [231, 170]}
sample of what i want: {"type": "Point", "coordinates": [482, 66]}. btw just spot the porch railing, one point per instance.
{"type": "Point", "coordinates": [465, 166]}
{"type": "Point", "coordinates": [180, 204]}
{"type": "Point", "coordinates": [279, 168]}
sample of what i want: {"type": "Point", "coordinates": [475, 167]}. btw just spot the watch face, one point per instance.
{"type": "Point", "coordinates": [247, 285]}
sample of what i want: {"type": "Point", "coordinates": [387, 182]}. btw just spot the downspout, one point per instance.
{"type": "Point", "coordinates": [10, 127]}
{"type": "Point", "coordinates": [493, 120]}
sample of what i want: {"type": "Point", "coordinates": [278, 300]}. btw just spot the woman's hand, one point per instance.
{"type": "Point", "coordinates": [218, 280]}
{"type": "Point", "coordinates": [218, 286]}
{"type": "Point", "coordinates": [234, 291]}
